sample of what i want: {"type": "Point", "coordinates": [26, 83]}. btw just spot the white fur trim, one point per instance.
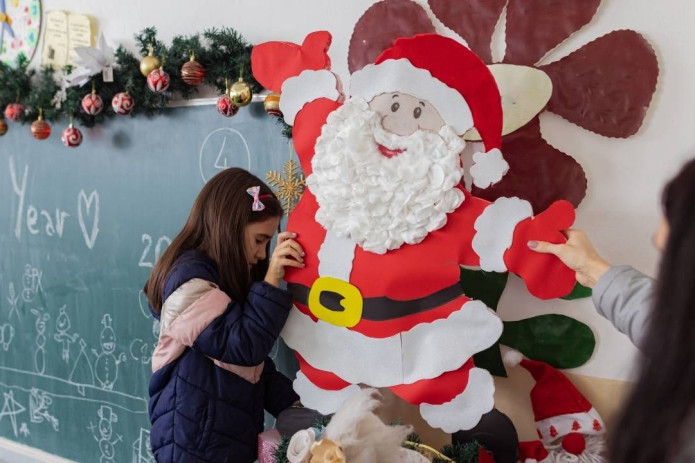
{"type": "Point", "coordinates": [321, 400]}
{"type": "Point", "coordinates": [488, 168]}
{"type": "Point", "coordinates": [563, 425]}
{"type": "Point", "coordinates": [306, 87]}
{"type": "Point", "coordinates": [424, 352]}
{"type": "Point", "coordinates": [495, 231]}
{"type": "Point", "coordinates": [335, 256]}
{"type": "Point", "coordinates": [512, 358]}
{"type": "Point", "coordinates": [465, 411]}
{"type": "Point", "coordinates": [399, 75]}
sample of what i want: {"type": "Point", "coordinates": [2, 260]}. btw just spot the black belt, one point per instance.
{"type": "Point", "coordinates": [381, 308]}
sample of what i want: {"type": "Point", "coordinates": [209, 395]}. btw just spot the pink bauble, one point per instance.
{"type": "Point", "coordinates": [71, 137]}
{"type": "Point", "coordinates": [92, 104]}
{"type": "Point", "coordinates": [226, 107]}
{"type": "Point", "coordinates": [123, 103]}
{"type": "Point", "coordinates": [158, 81]}
{"type": "Point", "coordinates": [14, 112]}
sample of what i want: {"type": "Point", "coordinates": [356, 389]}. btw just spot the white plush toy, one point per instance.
{"type": "Point", "coordinates": [354, 435]}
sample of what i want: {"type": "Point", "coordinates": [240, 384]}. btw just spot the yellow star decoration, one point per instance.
{"type": "Point", "coordinates": [288, 186]}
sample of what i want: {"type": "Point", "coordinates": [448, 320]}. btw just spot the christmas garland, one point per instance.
{"type": "Point", "coordinates": [219, 58]}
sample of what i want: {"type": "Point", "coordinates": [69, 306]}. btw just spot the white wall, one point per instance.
{"type": "Point", "coordinates": [625, 176]}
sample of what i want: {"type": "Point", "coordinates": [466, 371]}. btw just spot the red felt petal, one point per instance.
{"type": "Point", "coordinates": [380, 25]}
{"type": "Point", "coordinates": [534, 27]}
{"type": "Point", "coordinates": [274, 62]}
{"type": "Point", "coordinates": [474, 20]}
{"type": "Point", "coordinates": [607, 85]}
{"type": "Point", "coordinates": [538, 172]}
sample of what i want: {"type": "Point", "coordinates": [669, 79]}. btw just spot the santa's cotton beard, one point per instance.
{"type": "Point", "coordinates": [379, 202]}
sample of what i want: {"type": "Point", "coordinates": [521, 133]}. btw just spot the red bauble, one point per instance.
{"type": "Point", "coordinates": [123, 103]}
{"type": "Point", "coordinates": [40, 129]}
{"type": "Point", "coordinates": [3, 127]}
{"type": "Point", "coordinates": [226, 107]}
{"type": "Point", "coordinates": [192, 73]}
{"type": "Point", "coordinates": [14, 112]}
{"type": "Point", "coordinates": [71, 137]}
{"type": "Point", "coordinates": [158, 81]}
{"type": "Point", "coordinates": [92, 104]}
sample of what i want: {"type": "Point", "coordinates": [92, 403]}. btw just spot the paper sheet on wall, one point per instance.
{"type": "Point", "coordinates": [64, 32]}
{"type": "Point", "coordinates": [55, 41]}
{"type": "Point", "coordinates": [80, 34]}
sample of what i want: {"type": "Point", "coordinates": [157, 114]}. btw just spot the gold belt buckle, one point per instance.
{"type": "Point", "coordinates": [351, 302]}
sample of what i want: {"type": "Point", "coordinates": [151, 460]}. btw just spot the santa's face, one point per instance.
{"type": "Point", "coordinates": [380, 187]}
{"type": "Point", "coordinates": [405, 114]}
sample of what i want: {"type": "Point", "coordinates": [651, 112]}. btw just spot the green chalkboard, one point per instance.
{"type": "Point", "coordinates": [79, 231]}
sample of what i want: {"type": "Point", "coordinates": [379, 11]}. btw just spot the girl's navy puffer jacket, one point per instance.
{"type": "Point", "coordinates": [212, 377]}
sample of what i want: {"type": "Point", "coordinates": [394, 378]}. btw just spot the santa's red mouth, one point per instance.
{"type": "Point", "coordinates": [387, 152]}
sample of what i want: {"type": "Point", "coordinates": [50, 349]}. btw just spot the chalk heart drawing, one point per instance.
{"type": "Point", "coordinates": [88, 216]}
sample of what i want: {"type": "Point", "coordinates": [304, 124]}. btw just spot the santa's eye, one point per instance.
{"type": "Point", "coordinates": [395, 106]}
{"type": "Point", "coordinates": [417, 112]}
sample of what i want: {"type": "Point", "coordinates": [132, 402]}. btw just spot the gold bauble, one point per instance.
{"type": "Point", "coordinates": [240, 93]}
{"type": "Point", "coordinates": [3, 127]}
{"type": "Point", "coordinates": [149, 63]}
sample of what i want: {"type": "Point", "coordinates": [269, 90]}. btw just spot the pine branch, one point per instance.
{"type": "Point", "coordinates": [41, 97]}
{"type": "Point", "coordinates": [15, 83]}
{"type": "Point", "coordinates": [229, 57]}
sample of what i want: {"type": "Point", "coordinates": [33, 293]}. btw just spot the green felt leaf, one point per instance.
{"type": "Point", "coordinates": [579, 292]}
{"type": "Point", "coordinates": [558, 340]}
{"type": "Point", "coordinates": [488, 288]}
{"type": "Point", "coordinates": [491, 360]}
{"type": "Point", "coordinates": [483, 286]}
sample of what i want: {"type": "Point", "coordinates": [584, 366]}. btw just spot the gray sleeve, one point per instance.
{"type": "Point", "coordinates": [624, 296]}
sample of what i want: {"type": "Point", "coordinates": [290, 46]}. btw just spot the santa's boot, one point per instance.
{"type": "Point", "coordinates": [496, 433]}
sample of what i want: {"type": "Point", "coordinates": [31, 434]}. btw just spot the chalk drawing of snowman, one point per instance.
{"type": "Point", "coordinates": [40, 353]}
{"type": "Point", "coordinates": [104, 437]}
{"type": "Point", "coordinates": [106, 366]}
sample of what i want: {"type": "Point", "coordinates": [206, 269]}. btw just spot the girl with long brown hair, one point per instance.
{"type": "Point", "coordinates": [217, 295]}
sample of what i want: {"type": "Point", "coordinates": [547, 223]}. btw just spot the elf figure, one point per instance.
{"type": "Point", "coordinates": [386, 222]}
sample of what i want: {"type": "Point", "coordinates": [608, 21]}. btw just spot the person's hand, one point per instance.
{"type": "Point", "coordinates": [578, 254]}
{"type": "Point", "coordinates": [287, 253]}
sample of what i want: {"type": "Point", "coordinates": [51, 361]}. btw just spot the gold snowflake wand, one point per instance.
{"type": "Point", "coordinates": [289, 185]}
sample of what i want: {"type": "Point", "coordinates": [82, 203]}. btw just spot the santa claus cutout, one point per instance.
{"type": "Point", "coordinates": [386, 223]}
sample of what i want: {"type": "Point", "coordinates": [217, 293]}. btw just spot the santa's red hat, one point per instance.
{"type": "Point", "coordinates": [453, 79]}
{"type": "Point", "coordinates": [558, 407]}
